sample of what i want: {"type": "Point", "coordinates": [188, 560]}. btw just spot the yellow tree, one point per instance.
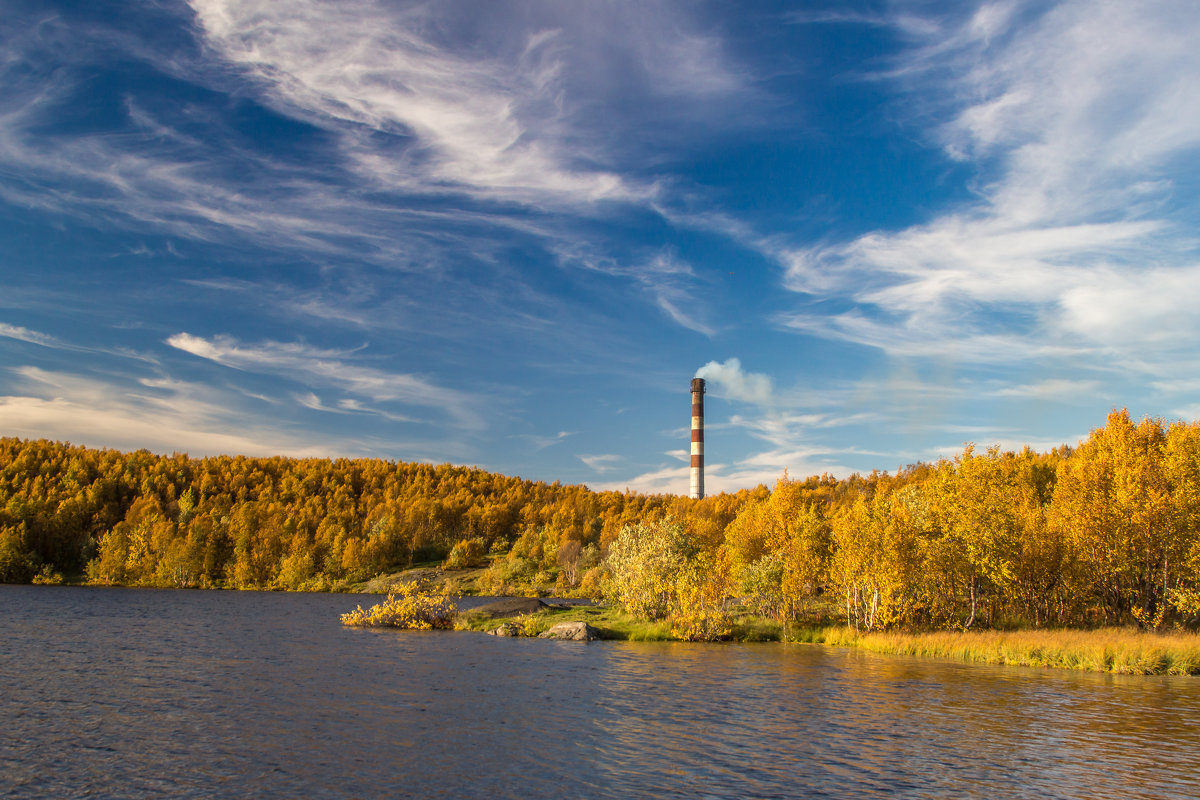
{"type": "Point", "coordinates": [981, 505]}
{"type": "Point", "coordinates": [1181, 463]}
{"type": "Point", "coordinates": [1115, 504]}
{"type": "Point", "coordinates": [778, 548]}
{"type": "Point", "coordinates": [646, 562]}
{"type": "Point", "coordinates": [877, 560]}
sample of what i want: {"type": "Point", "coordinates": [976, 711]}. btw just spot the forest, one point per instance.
{"type": "Point", "coordinates": [1104, 533]}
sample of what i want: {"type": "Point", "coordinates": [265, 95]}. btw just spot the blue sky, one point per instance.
{"type": "Point", "coordinates": [509, 234]}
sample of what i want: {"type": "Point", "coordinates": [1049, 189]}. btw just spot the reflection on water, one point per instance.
{"type": "Point", "coordinates": [135, 693]}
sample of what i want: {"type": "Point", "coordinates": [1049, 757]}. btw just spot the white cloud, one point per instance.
{"type": "Point", "coordinates": [761, 468]}
{"type": "Point", "coordinates": [909, 23]}
{"type": "Point", "coordinates": [1051, 388]}
{"type": "Point", "coordinates": [1078, 119]}
{"type": "Point", "coordinates": [1178, 385]}
{"type": "Point", "coordinates": [413, 102]}
{"type": "Point", "coordinates": [601, 463]}
{"type": "Point", "coordinates": [1149, 307]}
{"type": "Point", "coordinates": [331, 369]}
{"type": "Point", "coordinates": [1006, 444]}
{"type": "Point", "coordinates": [26, 335]}
{"type": "Point", "coordinates": [486, 120]}
{"type": "Point", "coordinates": [731, 381]}
{"type": "Point", "coordinates": [166, 416]}
{"type": "Point", "coordinates": [310, 401]}
{"type": "Point", "coordinates": [1190, 413]}
{"type": "Point", "coordinates": [950, 339]}
{"type": "Point", "coordinates": [668, 281]}
{"type": "Point", "coordinates": [668, 480]}
{"type": "Point", "coordinates": [542, 442]}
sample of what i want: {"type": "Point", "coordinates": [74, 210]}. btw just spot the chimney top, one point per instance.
{"type": "Point", "coordinates": [698, 385]}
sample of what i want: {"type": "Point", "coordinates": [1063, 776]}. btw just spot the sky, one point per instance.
{"type": "Point", "coordinates": [508, 234]}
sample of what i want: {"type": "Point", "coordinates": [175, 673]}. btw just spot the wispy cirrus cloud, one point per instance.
{"type": "Point", "coordinates": [1073, 245]}
{"type": "Point", "coordinates": [484, 122]}
{"type": "Point", "coordinates": [663, 279]}
{"type": "Point", "coordinates": [601, 462]}
{"type": "Point", "coordinates": [1052, 387]}
{"type": "Point", "coordinates": [401, 128]}
{"type": "Point", "coordinates": [332, 368]}
{"type": "Point", "coordinates": [542, 442]}
{"type": "Point", "coordinates": [160, 414]}
{"type": "Point", "coordinates": [26, 335]}
{"type": "Point", "coordinates": [507, 119]}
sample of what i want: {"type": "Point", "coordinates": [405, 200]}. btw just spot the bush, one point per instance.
{"type": "Point", "coordinates": [467, 553]}
{"type": "Point", "coordinates": [699, 618]}
{"type": "Point", "coordinates": [645, 562]}
{"type": "Point", "coordinates": [407, 607]}
{"type": "Point", "coordinates": [507, 575]}
{"type": "Point", "coordinates": [48, 577]}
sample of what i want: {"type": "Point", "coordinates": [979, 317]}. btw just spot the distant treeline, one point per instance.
{"type": "Point", "coordinates": [1107, 533]}
{"type": "Point", "coordinates": [280, 523]}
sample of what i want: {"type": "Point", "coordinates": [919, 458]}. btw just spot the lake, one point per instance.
{"type": "Point", "coordinates": [150, 693]}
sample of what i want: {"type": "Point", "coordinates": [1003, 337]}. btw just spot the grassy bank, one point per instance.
{"type": "Point", "coordinates": [611, 623]}
{"type": "Point", "coordinates": [1125, 651]}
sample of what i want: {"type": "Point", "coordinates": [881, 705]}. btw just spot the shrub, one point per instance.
{"type": "Point", "coordinates": [699, 618]}
{"type": "Point", "coordinates": [512, 575]}
{"type": "Point", "coordinates": [406, 607]}
{"type": "Point", "coordinates": [645, 562]}
{"type": "Point", "coordinates": [48, 577]}
{"type": "Point", "coordinates": [530, 625]}
{"type": "Point", "coordinates": [467, 553]}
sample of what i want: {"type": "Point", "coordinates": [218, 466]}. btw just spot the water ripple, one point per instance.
{"type": "Point", "coordinates": [139, 693]}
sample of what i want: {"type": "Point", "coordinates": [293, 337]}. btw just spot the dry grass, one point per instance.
{"type": "Point", "coordinates": [1118, 650]}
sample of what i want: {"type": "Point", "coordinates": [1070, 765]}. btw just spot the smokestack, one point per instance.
{"type": "Point", "coordinates": [697, 492]}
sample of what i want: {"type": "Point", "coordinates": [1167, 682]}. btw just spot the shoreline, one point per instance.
{"type": "Point", "coordinates": [1118, 651]}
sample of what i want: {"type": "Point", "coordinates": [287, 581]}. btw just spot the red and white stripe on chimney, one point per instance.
{"type": "Point", "coordinates": [697, 490]}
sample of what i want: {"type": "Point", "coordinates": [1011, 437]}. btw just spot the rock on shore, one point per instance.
{"type": "Point", "coordinates": [572, 631]}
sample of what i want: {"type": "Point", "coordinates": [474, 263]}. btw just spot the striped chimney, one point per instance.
{"type": "Point", "coordinates": [697, 492]}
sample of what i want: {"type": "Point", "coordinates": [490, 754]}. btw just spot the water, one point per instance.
{"type": "Point", "coordinates": [146, 693]}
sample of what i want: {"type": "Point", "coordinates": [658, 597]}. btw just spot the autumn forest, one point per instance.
{"type": "Point", "coordinates": [1104, 533]}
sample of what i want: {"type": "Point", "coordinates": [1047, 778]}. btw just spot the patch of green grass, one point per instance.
{"type": "Point", "coordinates": [611, 623]}
{"type": "Point", "coordinates": [750, 628]}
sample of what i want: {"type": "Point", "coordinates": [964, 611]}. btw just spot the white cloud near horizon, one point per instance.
{"type": "Point", "coordinates": [542, 442]}
{"type": "Point", "coordinates": [1050, 388]}
{"type": "Point", "coordinates": [601, 462]}
{"type": "Point", "coordinates": [163, 416]}
{"type": "Point", "coordinates": [1188, 413]}
{"type": "Point", "coordinates": [331, 368]}
{"type": "Point", "coordinates": [764, 468]}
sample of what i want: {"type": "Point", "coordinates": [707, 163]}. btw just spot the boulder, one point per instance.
{"type": "Point", "coordinates": [572, 631]}
{"type": "Point", "coordinates": [507, 629]}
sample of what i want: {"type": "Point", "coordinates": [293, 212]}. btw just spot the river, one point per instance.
{"type": "Point", "coordinates": [152, 693]}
